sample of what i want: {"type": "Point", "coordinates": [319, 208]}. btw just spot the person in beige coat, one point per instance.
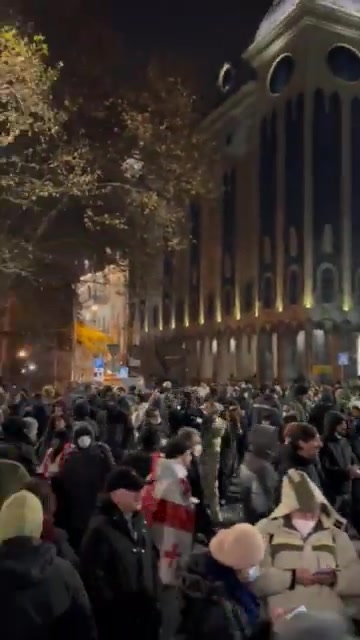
{"type": "Point", "coordinates": [310, 561]}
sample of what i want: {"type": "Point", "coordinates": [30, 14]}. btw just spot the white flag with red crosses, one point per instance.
{"type": "Point", "coordinates": [173, 520]}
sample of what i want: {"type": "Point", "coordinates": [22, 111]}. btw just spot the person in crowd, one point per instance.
{"type": "Point", "coordinates": [118, 563]}
{"type": "Point", "coordinates": [301, 452]}
{"type": "Point", "coordinates": [318, 412]}
{"type": "Point", "coordinates": [213, 429]}
{"type": "Point", "coordinates": [120, 432]}
{"type": "Point", "coordinates": [79, 483]}
{"type": "Point", "coordinates": [203, 524]}
{"type": "Point", "coordinates": [41, 488]}
{"type": "Point", "coordinates": [259, 479]}
{"type": "Point", "coordinates": [13, 478]}
{"type": "Point", "coordinates": [152, 419]}
{"type": "Point", "coordinates": [55, 456]}
{"type": "Point", "coordinates": [81, 411]}
{"type": "Point", "coordinates": [42, 595]}
{"type": "Point", "coordinates": [139, 413]}
{"type": "Point", "coordinates": [173, 525]}
{"type": "Point", "coordinates": [338, 463]}
{"type": "Point", "coordinates": [31, 429]}
{"type": "Point", "coordinates": [40, 414]}
{"type": "Point", "coordinates": [55, 430]}
{"type": "Point", "coordinates": [299, 405]}
{"type": "Point", "coordinates": [216, 588]}
{"type": "Point", "coordinates": [16, 445]}
{"type": "Point", "coordinates": [310, 561]}
{"type": "Point", "coordinates": [233, 446]}
{"type": "Point", "coordinates": [317, 626]}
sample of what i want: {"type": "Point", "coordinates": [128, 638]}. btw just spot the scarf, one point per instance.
{"type": "Point", "coordinates": [235, 590]}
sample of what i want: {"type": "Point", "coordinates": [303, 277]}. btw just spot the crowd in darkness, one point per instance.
{"type": "Point", "coordinates": [194, 513]}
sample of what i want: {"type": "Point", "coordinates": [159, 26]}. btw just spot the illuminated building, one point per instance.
{"type": "Point", "coordinates": [271, 283]}
{"type": "Point", "coordinates": [102, 301]}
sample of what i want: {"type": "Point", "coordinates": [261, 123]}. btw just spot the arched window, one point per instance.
{"type": "Point", "coordinates": [180, 312]}
{"type": "Point", "coordinates": [327, 285]}
{"type": "Point", "coordinates": [156, 316]}
{"type": "Point", "coordinates": [228, 301]}
{"type": "Point", "coordinates": [210, 307]}
{"type": "Point", "coordinates": [293, 287]}
{"type": "Point", "coordinates": [267, 296]}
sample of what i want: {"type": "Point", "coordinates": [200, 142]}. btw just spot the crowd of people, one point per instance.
{"type": "Point", "coordinates": [194, 513]}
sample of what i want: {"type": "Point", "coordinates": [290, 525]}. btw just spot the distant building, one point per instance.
{"type": "Point", "coordinates": [271, 281]}
{"type": "Point", "coordinates": [102, 305]}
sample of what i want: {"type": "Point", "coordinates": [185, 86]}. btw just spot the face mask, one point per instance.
{"type": "Point", "coordinates": [154, 421]}
{"type": "Point", "coordinates": [304, 527]}
{"type": "Point", "coordinates": [253, 573]}
{"type": "Point", "coordinates": [84, 442]}
{"type": "Point", "coordinates": [197, 450]}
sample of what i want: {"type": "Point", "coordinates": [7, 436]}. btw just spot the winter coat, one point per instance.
{"type": "Point", "coordinates": [20, 451]}
{"type": "Point", "coordinates": [119, 569]}
{"type": "Point", "coordinates": [336, 458]}
{"type": "Point", "coordinates": [325, 548]}
{"type": "Point", "coordinates": [13, 478]}
{"type": "Point", "coordinates": [290, 459]}
{"type": "Point", "coordinates": [77, 487]}
{"type": "Point", "coordinates": [41, 595]}
{"type": "Point", "coordinates": [209, 611]}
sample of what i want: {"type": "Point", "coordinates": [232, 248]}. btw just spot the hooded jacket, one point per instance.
{"type": "Point", "coordinates": [41, 595]}
{"type": "Point", "coordinates": [326, 547]}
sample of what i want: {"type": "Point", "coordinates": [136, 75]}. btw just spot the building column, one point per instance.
{"type": "Point", "coordinates": [206, 360]}
{"type": "Point", "coordinates": [221, 371]}
{"type": "Point", "coordinates": [254, 355]}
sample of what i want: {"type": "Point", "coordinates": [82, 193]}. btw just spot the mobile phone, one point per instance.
{"type": "Point", "coordinates": [323, 572]}
{"type": "Point", "coordinates": [295, 612]}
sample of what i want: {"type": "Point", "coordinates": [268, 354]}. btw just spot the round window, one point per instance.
{"type": "Point", "coordinates": [281, 73]}
{"type": "Point", "coordinates": [344, 63]}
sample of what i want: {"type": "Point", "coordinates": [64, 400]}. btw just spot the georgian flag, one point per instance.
{"type": "Point", "coordinates": [173, 520]}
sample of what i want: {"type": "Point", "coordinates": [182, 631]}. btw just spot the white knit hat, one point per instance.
{"type": "Point", "coordinates": [21, 515]}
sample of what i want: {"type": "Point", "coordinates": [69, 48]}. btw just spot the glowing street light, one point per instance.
{"type": "Point", "coordinates": [22, 353]}
{"type": "Point", "coordinates": [32, 366]}
{"type": "Point", "coordinates": [94, 307]}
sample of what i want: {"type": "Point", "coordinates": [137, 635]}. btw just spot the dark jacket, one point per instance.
{"type": "Point", "coordinates": [216, 605]}
{"type": "Point", "coordinates": [319, 410]}
{"type": "Point", "coordinates": [19, 450]}
{"type": "Point", "coordinates": [119, 570]}
{"type": "Point", "coordinates": [290, 459]}
{"type": "Point", "coordinates": [77, 488]}
{"type": "Point", "coordinates": [336, 458]}
{"type": "Point", "coordinates": [41, 595]}
{"type": "Point", "coordinates": [203, 524]}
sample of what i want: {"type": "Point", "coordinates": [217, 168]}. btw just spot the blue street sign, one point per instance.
{"type": "Point", "coordinates": [98, 363]}
{"type": "Point", "coordinates": [343, 359]}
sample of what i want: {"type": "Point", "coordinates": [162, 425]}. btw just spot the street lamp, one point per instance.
{"type": "Point", "coordinates": [32, 366]}
{"type": "Point", "coordinates": [22, 353]}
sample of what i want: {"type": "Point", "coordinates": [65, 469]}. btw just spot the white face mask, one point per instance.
{"type": "Point", "coordinates": [197, 450]}
{"type": "Point", "coordinates": [253, 573]}
{"type": "Point", "coordinates": [304, 527]}
{"type": "Point", "coordinates": [84, 442]}
{"type": "Point", "coordinates": [249, 575]}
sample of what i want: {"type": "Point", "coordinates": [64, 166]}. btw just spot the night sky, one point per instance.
{"type": "Point", "coordinates": [203, 34]}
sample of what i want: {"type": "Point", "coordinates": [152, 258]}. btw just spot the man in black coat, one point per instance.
{"type": "Point", "coordinates": [118, 563]}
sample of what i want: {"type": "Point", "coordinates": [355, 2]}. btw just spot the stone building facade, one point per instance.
{"type": "Point", "coordinates": [270, 283]}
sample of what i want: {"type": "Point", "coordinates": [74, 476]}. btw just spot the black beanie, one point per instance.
{"type": "Point", "coordinates": [123, 478]}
